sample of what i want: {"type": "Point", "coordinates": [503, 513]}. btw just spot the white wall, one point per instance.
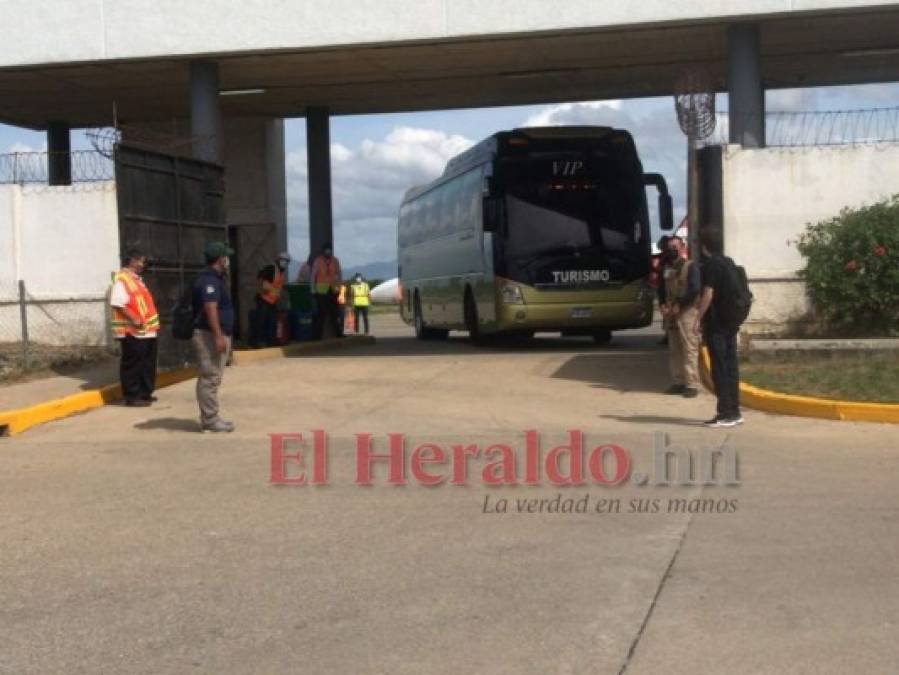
{"type": "Point", "coordinates": [64, 243]}
{"type": "Point", "coordinates": [55, 31]}
{"type": "Point", "coordinates": [769, 197]}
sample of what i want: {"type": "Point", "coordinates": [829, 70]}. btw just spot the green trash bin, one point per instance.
{"type": "Point", "coordinates": [300, 296]}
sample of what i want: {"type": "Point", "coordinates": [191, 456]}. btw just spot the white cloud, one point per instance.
{"type": "Point", "coordinates": [22, 147]}
{"type": "Point", "coordinates": [569, 113]}
{"type": "Point", "coordinates": [368, 184]}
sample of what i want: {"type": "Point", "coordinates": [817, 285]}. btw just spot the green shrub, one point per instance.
{"type": "Point", "coordinates": [852, 268]}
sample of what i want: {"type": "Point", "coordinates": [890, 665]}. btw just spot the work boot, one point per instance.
{"type": "Point", "coordinates": [690, 392]}
{"type": "Point", "coordinates": [137, 403]}
{"type": "Point", "coordinates": [676, 389]}
{"type": "Point", "coordinates": [217, 426]}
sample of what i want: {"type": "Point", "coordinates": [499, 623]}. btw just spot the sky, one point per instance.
{"type": "Point", "coordinates": [376, 158]}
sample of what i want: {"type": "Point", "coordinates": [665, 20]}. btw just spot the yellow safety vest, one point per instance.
{"type": "Point", "coordinates": [140, 303]}
{"type": "Point", "coordinates": [360, 294]}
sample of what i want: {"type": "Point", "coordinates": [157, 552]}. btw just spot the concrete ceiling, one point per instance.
{"type": "Point", "coordinates": [833, 49]}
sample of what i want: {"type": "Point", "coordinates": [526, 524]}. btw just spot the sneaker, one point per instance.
{"type": "Point", "coordinates": [676, 389]}
{"type": "Point", "coordinates": [690, 392]}
{"type": "Point", "coordinates": [723, 422]}
{"type": "Point", "coordinates": [737, 420]}
{"type": "Point", "coordinates": [137, 403]}
{"type": "Point", "coordinates": [218, 426]}
{"type": "Point", "coordinates": [712, 422]}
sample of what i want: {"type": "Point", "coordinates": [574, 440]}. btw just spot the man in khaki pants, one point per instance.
{"type": "Point", "coordinates": [214, 326]}
{"type": "Point", "coordinates": [679, 303]}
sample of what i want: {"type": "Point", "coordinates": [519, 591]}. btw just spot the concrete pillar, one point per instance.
{"type": "Point", "coordinates": [205, 111]}
{"type": "Point", "coordinates": [318, 151]}
{"type": "Point", "coordinates": [59, 158]}
{"type": "Point", "coordinates": [745, 87]}
{"type": "Point", "coordinates": [255, 201]}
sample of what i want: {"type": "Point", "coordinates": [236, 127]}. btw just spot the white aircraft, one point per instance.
{"type": "Point", "coordinates": [387, 293]}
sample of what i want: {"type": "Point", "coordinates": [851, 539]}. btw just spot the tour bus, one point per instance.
{"type": "Point", "coordinates": [532, 230]}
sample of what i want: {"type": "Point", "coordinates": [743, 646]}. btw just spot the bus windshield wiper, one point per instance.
{"type": "Point", "coordinates": [553, 251]}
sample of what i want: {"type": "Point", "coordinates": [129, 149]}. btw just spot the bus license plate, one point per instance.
{"type": "Point", "coordinates": [581, 312]}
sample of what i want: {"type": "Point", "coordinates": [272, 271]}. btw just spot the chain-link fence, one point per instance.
{"type": "Point", "coordinates": [45, 331]}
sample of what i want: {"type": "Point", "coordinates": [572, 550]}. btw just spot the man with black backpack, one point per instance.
{"type": "Point", "coordinates": [723, 307]}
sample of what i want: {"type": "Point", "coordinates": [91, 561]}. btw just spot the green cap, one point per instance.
{"type": "Point", "coordinates": [217, 249]}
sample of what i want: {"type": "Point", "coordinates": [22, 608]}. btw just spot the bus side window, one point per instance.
{"type": "Point", "coordinates": [472, 196]}
{"type": "Point", "coordinates": [452, 206]}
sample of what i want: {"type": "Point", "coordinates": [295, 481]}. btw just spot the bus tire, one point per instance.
{"type": "Point", "coordinates": [602, 337]}
{"type": "Point", "coordinates": [422, 332]}
{"type": "Point", "coordinates": [472, 325]}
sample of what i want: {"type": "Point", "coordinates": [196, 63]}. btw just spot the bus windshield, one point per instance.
{"type": "Point", "coordinates": [564, 205]}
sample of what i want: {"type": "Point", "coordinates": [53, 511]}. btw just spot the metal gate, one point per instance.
{"type": "Point", "coordinates": [169, 207]}
{"type": "Point", "coordinates": [255, 246]}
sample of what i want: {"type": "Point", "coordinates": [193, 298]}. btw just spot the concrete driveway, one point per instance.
{"type": "Point", "coordinates": [129, 543]}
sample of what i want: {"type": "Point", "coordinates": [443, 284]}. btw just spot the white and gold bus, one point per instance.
{"type": "Point", "coordinates": [532, 230]}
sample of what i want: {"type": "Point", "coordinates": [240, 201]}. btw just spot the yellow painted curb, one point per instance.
{"type": "Point", "coordinates": [806, 406]}
{"type": "Point", "coordinates": [14, 422]}
{"type": "Point", "coordinates": [242, 357]}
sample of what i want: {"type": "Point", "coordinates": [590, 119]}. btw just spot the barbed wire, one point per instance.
{"type": "Point", "coordinates": [817, 128]}
{"type": "Point", "coordinates": [149, 137]}
{"type": "Point", "coordinates": [20, 168]}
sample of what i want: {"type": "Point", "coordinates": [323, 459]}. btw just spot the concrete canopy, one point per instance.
{"type": "Point", "coordinates": [799, 48]}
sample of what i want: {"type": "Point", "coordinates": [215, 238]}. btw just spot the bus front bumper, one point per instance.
{"type": "Point", "coordinates": [575, 317]}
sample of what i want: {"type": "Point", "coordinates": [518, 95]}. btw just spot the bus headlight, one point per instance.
{"type": "Point", "coordinates": [512, 295]}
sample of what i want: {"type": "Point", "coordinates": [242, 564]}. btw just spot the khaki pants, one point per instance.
{"type": "Point", "coordinates": [211, 365]}
{"type": "Point", "coordinates": [683, 349]}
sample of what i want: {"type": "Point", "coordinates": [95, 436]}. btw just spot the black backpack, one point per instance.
{"type": "Point", "coordinates": [736, 300]}
{"type": "Point", "coordinates": [183, 315]}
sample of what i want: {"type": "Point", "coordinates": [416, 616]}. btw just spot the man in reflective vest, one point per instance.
{"type": "Point", "coordinates": [325, 282]}
{"type": "Point", "coordinates": [271, 280]}
{"type": "Point", "coordinates": [135, 324]}
{"type": "Point", "coordinates": [361, 300]}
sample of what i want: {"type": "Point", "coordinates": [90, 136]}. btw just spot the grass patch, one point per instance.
{"type": "Point", "coordinates": [46, 360]}
{"type": "Point", "coordinates": [849, 377]}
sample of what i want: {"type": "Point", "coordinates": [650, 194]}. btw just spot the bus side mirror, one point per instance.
{"type": "Point", "coordinates": [666, 213]}
{"type": "Point", "coordinates": [666, 206]}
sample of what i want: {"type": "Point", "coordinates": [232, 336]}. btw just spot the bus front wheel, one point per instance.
{"type": "Point", "coordinates": [602, 337]}
{"type": "Point", "coordinates": [472, 324]}
{"type": "Point", "coordinates": [422, 332]}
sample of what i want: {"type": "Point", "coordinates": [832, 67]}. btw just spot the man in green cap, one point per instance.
{"type": "Point", "coordinates": [214, 327]}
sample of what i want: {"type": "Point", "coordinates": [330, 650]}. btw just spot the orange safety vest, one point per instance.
{"type": "Point", "coordinates": [271, 291]}
{"type": "Point", "coordinates": [325, 274]}
{"type": "Point", "coordinates": [140, 303]}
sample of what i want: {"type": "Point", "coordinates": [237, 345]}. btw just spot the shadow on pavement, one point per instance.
{"type": "Point", "coordinates": [654, 419]}
{"type": "Point", "coordinates": [408, 345]}
{"type": "Point", "coordinates": [171, 424]}
{"type": "Point", "coordinates": [642, 371]}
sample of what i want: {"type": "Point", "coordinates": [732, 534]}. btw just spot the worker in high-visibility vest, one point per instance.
{"type": "Point", "coordinates": [271, 279]}
{"type": "Point", "coordinates": [325, 282]}
{"type": "Point", "coordinates": [135, 324]}
{"type": "Point", "coordinates": [361, 300]}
